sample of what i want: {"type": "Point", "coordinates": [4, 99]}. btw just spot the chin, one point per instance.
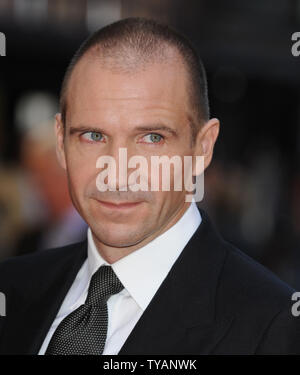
{"type": "Point", "coordinates": [118, 237]}
{"type": "Point", "coordinates": [119, 242]}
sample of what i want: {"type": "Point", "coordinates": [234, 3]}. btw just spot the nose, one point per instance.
{"type": "Point", "coordinates": [113, 169]}
{"type": "Point", "coordinates": [121, 176]}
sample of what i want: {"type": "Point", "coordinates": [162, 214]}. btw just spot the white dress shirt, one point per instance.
{"type": "Point", "coordinates": [141, 273]}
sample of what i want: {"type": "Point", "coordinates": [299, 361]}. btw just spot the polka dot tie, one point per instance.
{"type": "Point", "coordinates": [83, 331]}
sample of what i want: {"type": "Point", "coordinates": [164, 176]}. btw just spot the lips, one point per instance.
{"type": "Point", "coordinates": [119, 206]}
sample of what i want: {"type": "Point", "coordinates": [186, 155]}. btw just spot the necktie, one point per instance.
{"type": "Point", "coordinates": [84, 330]}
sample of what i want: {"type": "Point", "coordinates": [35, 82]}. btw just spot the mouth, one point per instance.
{"type": "Point", "coordinates": [119, 206]}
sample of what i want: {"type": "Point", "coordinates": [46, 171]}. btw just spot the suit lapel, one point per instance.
{"type": "Point", "coordinates": [26, 335]}
{"type": "Point", "coordinates": [181, 318]}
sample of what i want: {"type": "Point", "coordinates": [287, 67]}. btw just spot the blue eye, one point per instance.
{"type": "Point", "coordinates": [154, 138]}
{"type": "Point", "coordinates": [93, 136]}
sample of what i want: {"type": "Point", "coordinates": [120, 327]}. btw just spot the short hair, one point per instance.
{"type": "Point", "coordinates": [140, 40]}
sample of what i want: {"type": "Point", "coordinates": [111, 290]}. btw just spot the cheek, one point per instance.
{"type": "Point", "coordinates": [81, 173]}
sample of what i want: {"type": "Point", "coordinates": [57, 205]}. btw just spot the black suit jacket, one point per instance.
{"type": "Point", "coordinates": [214, 300]}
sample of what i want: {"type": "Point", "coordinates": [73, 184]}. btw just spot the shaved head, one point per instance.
{"type": "Point", "coordinates": [133, 44]}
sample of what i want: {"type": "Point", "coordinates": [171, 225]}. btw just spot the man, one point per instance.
{"type": "Point", "coordinates": [154, 276]}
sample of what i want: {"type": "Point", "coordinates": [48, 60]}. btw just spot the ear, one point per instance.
{"type": "Point", "coordinates": [60, 147]}
{"type": "Point", "coordinates": [205, 142]}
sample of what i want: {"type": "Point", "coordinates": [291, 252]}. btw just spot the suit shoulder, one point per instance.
{"type": "Point", "coordinates": [29, 265]}
{"type": "Point", "coordinates": [245, 279]}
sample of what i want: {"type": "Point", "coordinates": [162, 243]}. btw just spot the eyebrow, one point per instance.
{"type": "Point", "coordinates": [157, 127]}
{"type": "Point", "coordinates": [82, 129]}
{"type": "Point", "coordinates": [146, 128]}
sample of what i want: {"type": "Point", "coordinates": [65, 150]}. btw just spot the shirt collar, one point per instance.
{"type": "Point", "coordinates": [142, 271]}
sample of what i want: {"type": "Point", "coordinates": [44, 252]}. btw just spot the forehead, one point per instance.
{"type": "Point", "coordinates": [152, 90]}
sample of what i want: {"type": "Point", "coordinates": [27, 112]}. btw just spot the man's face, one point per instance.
{"type": "Point", "coordinates": [145, 112]}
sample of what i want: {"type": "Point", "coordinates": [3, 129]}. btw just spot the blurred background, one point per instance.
{"type": "Point", "coordinates": [252, 188]}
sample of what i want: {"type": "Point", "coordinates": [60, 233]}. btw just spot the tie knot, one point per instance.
{"type": "Point", "coordinates": [104, 283]}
